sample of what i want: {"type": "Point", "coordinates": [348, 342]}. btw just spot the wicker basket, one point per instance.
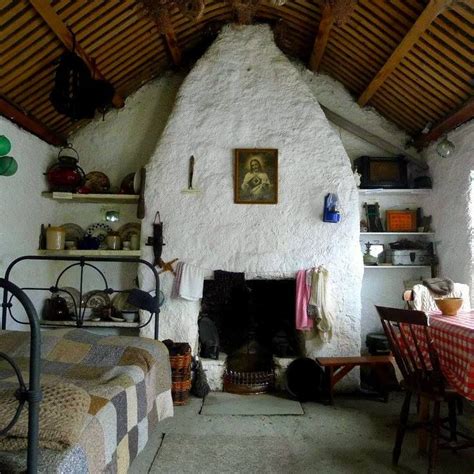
{"type": "Point", "coordinates": [181, 377]}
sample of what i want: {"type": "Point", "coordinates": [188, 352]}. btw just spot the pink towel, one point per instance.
{"type": "Point", "coordinates": [303, 321]}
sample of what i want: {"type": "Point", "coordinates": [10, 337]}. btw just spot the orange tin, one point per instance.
{"type": "Point", "coordinates": [401, 221]}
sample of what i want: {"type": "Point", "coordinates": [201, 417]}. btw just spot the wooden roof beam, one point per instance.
{"type": "Point", "coordinates": [453, 120]}
{"type": "Point", "coordinates": [173, 46]}
{"type": "Point", "coordinates": [60, 29]}
{"type": "Point", "coordinates": [29, 123]}
{"type": "Point", "coordinates": [322, 37]}
{"type": "Point", "coordinates": [423, 22]}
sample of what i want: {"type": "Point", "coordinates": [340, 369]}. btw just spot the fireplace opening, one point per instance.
{"type": "Point", "coordinates": [255, 321]}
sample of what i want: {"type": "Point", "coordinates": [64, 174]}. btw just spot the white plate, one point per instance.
{"type": "Point", "coordinates": [137, 182]}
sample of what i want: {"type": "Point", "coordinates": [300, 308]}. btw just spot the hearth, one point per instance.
{"type": "Point", "coordinates": [255, 320]}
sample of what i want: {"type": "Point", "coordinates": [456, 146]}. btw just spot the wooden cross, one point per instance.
{"type": "Point", "coordinates": [167, 266]}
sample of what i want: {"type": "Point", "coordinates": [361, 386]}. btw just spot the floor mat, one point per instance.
{"type": "Point", "coordinates": [222, 403]}
{"type": "Point", "coordinates": [217, 454]}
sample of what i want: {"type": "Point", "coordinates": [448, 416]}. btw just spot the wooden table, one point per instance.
{"type": "Point", "coordinates": [453, 338]}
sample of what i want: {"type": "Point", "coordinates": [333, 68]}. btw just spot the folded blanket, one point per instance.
{"type": "Point", "coordinates": [62, 417]}
{"type": "Point", "coordinates": [439, 286]}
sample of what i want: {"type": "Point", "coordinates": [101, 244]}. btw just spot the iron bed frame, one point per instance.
{"type": "Point", "coordinates": [31, 392]}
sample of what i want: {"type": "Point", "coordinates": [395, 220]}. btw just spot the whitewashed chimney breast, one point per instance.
{"type": "Point", "coordinates": [244, 93]}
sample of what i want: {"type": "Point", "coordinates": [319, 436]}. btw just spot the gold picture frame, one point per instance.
{"type": "Point", "coordinates": [256, 176]}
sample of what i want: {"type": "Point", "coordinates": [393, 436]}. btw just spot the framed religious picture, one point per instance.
{"type": "Point", "coordinates": [256, 176]}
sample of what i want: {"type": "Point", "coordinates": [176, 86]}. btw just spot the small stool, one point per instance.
{"type": "Point", "coordinates": [336, 368]}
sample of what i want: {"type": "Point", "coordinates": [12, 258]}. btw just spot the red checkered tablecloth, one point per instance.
{"type": "Point", "coordinates": [453, 338]}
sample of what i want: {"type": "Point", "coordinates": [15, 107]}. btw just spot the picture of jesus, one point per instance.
{"type": "Point", "coordinates": [256, 174]}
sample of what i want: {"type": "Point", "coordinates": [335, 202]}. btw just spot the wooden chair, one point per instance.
{"type": "Point", "coordinates": [417, 359]}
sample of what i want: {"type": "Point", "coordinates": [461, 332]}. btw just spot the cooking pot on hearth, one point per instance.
{"type": "Point", "coordinates": [65, 175]}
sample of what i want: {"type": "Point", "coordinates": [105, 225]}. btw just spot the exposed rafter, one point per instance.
{"type": "Point", "coordinates": [453, 120]}
{"type": "Point", "coordinates": [322, 37]}
{"type": "Point", "coordinates": [60, 29]}
{"type": "Point", "coordinates": [173, 47]}
{"type": "Point", "coordinates": [429, 14]}
{"type": "Point", "coordinates": [28, 123]}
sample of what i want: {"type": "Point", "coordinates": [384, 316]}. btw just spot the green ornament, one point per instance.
{"type": "Point", "coordinates": [5, 145]}
{"type": "Point", "coordinates": [8, 166]}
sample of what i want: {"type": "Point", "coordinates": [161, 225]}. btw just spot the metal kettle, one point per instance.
{"type": "Point", "coordinates": [65, 175]}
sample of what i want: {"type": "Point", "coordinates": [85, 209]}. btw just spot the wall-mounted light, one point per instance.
{"type": "Point", "coordinates": [445, 148]}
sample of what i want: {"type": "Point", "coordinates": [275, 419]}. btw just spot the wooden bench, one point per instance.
{"type": "Point", "coordinates": [335, 368]}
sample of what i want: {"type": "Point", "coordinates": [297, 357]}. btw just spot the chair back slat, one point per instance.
{"type": "Point", "coordinates": [411, 344]}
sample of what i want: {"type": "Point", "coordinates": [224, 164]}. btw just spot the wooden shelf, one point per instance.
{"type": "Point", "coordinates": [92, 324]}
{"type": "Point", "coordinates": [383, 267]}
{"type": "Point", "coordinates": [388, 192]}
{"type": "Point", "coordinates": [396, 233]}
{"type": "Point", "coordinates": [93, 198]}
{"type": "Point", "coordinates": [91, 253]}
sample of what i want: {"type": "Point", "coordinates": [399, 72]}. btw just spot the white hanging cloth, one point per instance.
{"type": "Point", "coordinates": [318, 307]}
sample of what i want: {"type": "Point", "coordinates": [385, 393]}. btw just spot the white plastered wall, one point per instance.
{"type": "Point", "coordinates": [245, 93]}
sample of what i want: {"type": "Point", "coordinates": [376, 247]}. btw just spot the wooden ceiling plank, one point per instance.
{"type": "Point", "coordinates": [437, 53]}
{"type": "Point", "coordinates": [456, 87]}
{"type": "Point", "coordinates": [27, 89]}
{"type": "Point", "coordinates": [91, 30]}
{"type": "Point", "coordinates": [463, 114]}
{"type": "Point", "coordinates": [356, 38]}
{"type": "Point", "coordinates": [66, 37]}
{"type": "Point", "coordinates": [103, 39]}
{"type": "Point", "coordinates": [404, 111]}
{"type": "Point", "coordinates": [396, 110]}
{"type": "Point", "coordinates": [436, 84]}
{"type": "Point", "coordinates": [428, 84]}
{"type": "Point", "coordinates": [43, 59]}
{"type": "Point", "coordinates": [388, 113]}
{"type": "Point", "coordinates": [23, 44]}
{"type": "Point", "coordinates": [131, 50]}
{"type": "Point", "coordinates": [378, 33]}
{"type": "Point", "coordinates": [412, 99]}
{"type": "Point", "coordinates": [29, 123]}
{"type": "Point", "coordinates": [455, 37]}
{"type": "Point", "coordinates": [129, 42]}
{"type": "Point", "coordinates": [42, 46]}
{"type": "Point", "coordinates": [356, 54]}
{"type": "Point", "coordinates": [435, 100]}
{"type": "Point", "coordinates": [352, 67]}
{"type": "Point", "coordinates": [386, 28]}
{"type": "Point", "coordinates": [136, 61]}
{"type": "Point", "coordinates": [117, 68]}
{"type": "Point", "coordinates": [322, 37]}
{"type": "Point", "coordinates": [429, 14]}
{"type": "Point", "coordinates": [351, 83]}
{"type": "Point", "coordinates": [23, 22]}
{"type": "Point", "coordinates": [422, 56]}
{"type": "Point", "coordinates": [11, 11]}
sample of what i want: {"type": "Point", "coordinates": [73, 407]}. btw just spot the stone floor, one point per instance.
{"type": "Point", "coordinates": [354, 436]}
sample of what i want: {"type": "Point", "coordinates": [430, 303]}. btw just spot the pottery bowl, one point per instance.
{"type": "Point", "coordinates": [449, 306]}
{"type": "Point", "coordinates": [130, 316]}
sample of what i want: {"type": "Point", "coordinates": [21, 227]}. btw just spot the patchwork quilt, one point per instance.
{"type": "Point", "coordinates": [128, 380]}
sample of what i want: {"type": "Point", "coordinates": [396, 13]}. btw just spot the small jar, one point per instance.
{"type": "Point", "coordinates": [126, 244]}
{"type": "Point", "coordinates": [134, 242]}
{"type": "Point", "coordinates": [113, 241]}
{"type": "Point", "coordinates": [55, 238]}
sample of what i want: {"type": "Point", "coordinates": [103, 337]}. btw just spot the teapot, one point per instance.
{"type": "Point", "coordinates": [65, 175]}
